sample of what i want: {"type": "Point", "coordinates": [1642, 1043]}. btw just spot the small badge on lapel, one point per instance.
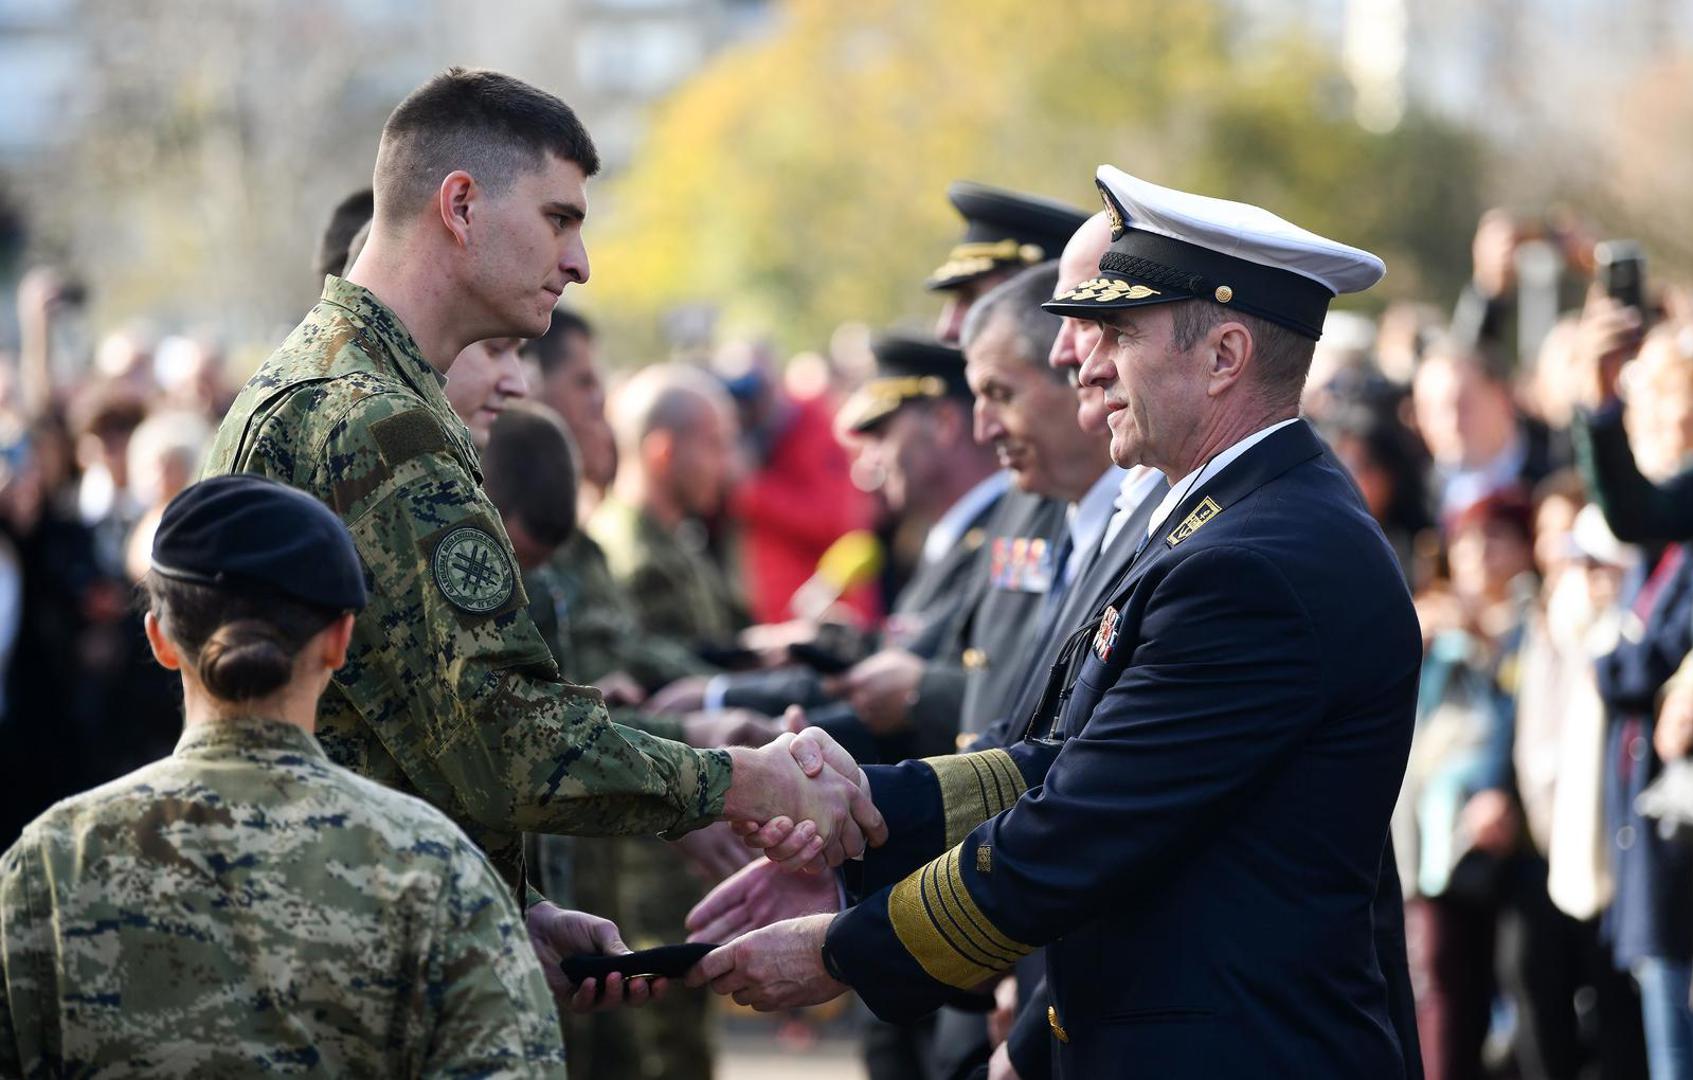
{"type": "Point", "coordinates": [1106, 638]}
{"type": "Point", "coordinates": [1202, 513]}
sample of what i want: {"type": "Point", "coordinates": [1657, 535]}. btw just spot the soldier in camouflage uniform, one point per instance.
{"type": "Point", "coordinates": [449, 691]}
{"type": "Point", "coordinates": [245, 906]}
{"type": "Point", "coordinates": [675, 434]}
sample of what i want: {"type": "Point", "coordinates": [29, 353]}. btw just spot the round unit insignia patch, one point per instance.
{"type": "Point", "coordinates": [472, 571]}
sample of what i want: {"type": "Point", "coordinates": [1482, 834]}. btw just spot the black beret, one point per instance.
{"type": "Point", "coordinates": [247, 532]}
{"type": "Point", "coordinates": [1004, 230]}
{"type": "Point", "coordinates": [907, 369]}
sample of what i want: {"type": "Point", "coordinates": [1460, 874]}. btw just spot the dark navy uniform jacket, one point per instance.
{"type": "Point", "coordinates": [1199, 841]}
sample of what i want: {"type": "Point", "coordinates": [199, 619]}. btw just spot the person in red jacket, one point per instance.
{"type": "Point", "coordinates": [797, 496]}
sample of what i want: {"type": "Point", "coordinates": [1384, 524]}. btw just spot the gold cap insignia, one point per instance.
{"type": "Point", "coordinates": [979, 257]}
{"type": "Point", "coordinates": [1116, 215]}
{"type": "Point", "coordinates": [1224, 294]}
{"type": "Point", "coordinates": [1109, 290]}
{"type": "Point", "coordinates": [1202, 513]}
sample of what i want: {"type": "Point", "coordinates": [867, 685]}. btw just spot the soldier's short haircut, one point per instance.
{"type": "Point", "coordinates": [493, 126]}
{"type": "Point", "coordinates": [553, 349]}
{"type": "Point", "coordinates": [664, 397]}
{"type": "Point", "coordinates": [1019, 299]}
{"type": "Point", "coordinates": [349, 216]}
{"type": "Point", "coordinates": [1282, 356]}
{"type": "Point", "coordinates": [529, 471]}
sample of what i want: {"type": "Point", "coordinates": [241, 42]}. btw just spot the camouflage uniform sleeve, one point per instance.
{"type": "Point", "coordinates": [447, 666]}
{"type": "Point", "coordinates": [495, 1016]}
{"type": "Point", "coordinates": [663, 727]}
{"type": "Point", "coordinates": [25, 968]}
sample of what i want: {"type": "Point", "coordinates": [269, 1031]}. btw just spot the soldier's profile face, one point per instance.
{"type": "Point", "coordinates": [527, 246]}
{"type": "Point", "coordinates": [485, 377]}
{"type": "Point", "coordinates": [704, 466]}
{"type": "Point", "coordinates": [576, 392]}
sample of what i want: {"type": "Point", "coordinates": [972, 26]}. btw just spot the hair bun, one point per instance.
{"type": "Point", "coordinates": [245, 659]}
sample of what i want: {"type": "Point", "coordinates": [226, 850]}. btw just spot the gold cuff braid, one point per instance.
{"type": "Point", "coordinates": [975, 787]}
{"type": "Point", "coordinates": [937, 920]}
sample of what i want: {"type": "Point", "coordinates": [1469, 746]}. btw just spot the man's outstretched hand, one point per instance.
{"type": "Point", "coordinates": [778, 967]}
{"type": "Point", "coordinates": [555, 933]}
{"type": "Point", "coordinates": [757, 896]}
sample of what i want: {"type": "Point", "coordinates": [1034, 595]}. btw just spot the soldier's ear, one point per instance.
{"type": "Point", "coordinates": [335, 638]}
{"type": "Point", "coordinates": [456, 200]}
{"type": "Point", "coordinates": [657, 448]}
{"type": "Point", "coordinates": [163, 651]}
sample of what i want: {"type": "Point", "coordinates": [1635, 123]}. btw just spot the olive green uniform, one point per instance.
{"type": "Point", "coordinates": [449, 691]}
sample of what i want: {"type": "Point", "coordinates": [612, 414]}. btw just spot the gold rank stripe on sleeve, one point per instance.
{"type": "Point", "coordinates": [975, 787]}
{"type": "Point", "coordinates": [938, 922]}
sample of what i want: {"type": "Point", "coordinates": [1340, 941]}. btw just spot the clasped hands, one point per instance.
{"type": "Point", "coordinates": [773, 924]}
{"type": "Point", "coordinates": [803, 801]}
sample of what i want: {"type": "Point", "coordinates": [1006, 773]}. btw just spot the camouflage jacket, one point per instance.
{"type": "Point", "coordinates": [449, 691]}
{"type": "Point", "coordinates": [674, 586]}
{"type": "Point", "coordinates": [246, 907]}
{"type": "Point", "coordinates": [600, 628]}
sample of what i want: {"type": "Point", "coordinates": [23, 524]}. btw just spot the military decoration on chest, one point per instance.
{"type": "Point", "coordinates": [1021, 564]}
{"type": "Point", "coordinates": [1105, 638]}
{"type": "Point", "coordinates": [472, 571]}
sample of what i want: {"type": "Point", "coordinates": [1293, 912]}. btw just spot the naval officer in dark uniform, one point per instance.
{"type": "Point", "coordinates": [1005, 233]}
{"type": "Point", "coordinates": [1195, 824]}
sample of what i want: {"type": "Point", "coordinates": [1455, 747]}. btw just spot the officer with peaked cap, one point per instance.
{"type": "Point", "coordinates": [1004, 232]}
{"type": "Point", "coordinates": [1196, 822]}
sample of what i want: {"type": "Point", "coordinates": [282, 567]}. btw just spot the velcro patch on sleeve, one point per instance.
{"type": "Point", "coordinates": [406, 435]}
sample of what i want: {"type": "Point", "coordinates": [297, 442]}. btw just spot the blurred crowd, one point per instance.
{"type": "Point", "coordinates": [1521, 447]}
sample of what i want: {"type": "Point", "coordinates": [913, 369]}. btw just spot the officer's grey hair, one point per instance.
{"type": "Point", "coordinates": [664, 397]}
{"type": "Point", "coordinates": [1019, 299]}
{"type": "Point", "coordinates": [1281, 357]}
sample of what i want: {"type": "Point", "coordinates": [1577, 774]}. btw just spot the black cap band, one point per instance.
{"type": "Point", "coordinates": [1171, 269]}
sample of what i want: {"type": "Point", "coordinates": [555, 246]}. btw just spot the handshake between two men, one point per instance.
{"type": "Point", "coordinates": [769, 919]}
{"type": "Point", "coordinates": [804, 803]}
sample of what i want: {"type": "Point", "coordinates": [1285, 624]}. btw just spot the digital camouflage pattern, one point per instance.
{"type": "Point", "coordinates": [449, 691]}
{"type": "Point", "coordinates": [244, 907]}
{"type": "Point", "coordinates": [675, 588]}
{"type": "Point", "coordinates": [601, 627]}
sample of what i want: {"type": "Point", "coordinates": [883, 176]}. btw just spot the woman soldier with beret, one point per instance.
{"type": "Point", "coordinates": [244, 905]}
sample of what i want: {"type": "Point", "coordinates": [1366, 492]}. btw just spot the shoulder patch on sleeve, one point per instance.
{"type": "Point", "coordinates": [406, 435]}
{"type": "Point", "coordinates": [472, 570]}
